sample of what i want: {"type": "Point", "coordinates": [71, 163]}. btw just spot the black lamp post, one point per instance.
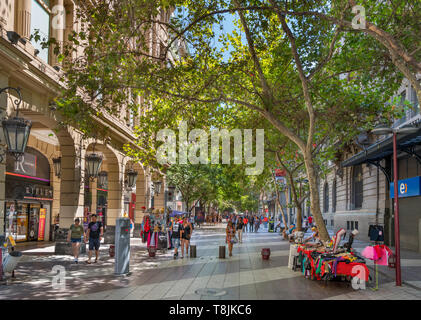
{"type": "Point", "coordinates": [103, 179]}
{"type": "Point", "coordinates": [57, 166]}
{"type": "Point", "coordinates": [383, 130]}
{"type": "Point", "coordinates": [16, 130]}
{"type": "Point", "coordinates": [93, 164]}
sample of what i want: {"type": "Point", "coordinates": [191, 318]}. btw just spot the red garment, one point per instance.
{"type": "Point", "coordinates": [383, 252]}
{"type": "Point", "coordinates": [310, 219]}
{"type": "Point", "coordinates": [346, 269]}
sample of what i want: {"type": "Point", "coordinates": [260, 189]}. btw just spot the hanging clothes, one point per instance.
{"type": "Point", "coordinates": [376, 233]}
{"type": "Point", "coordinates": [370, 253]}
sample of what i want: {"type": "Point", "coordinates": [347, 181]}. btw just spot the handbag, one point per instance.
{"type": "Point", "coordinates": [234, 239]}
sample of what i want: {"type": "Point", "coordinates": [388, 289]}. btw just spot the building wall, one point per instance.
{"type": "Point", "coordinates": [39, 83]}
{"type": "Point", "coordinates": [344, 213]}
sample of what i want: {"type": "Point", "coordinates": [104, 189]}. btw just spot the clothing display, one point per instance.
{"type": "Point", "coordinates": [376, 233]}
{"type": "Point", "coordinates": [378, 253]}
{"type": "Point", "coordinates": [322, 263]}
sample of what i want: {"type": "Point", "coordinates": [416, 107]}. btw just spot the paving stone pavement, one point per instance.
{"type": "Point", "coordinates": [243, 276]}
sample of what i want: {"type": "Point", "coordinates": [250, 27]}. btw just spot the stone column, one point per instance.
{"type": "Point", "coordinates": [93, 185]}
{"type": "Point", "coordinates": [4, 82]}
{"type": "Point", "coordinates": [115, 201]}
{"type": "Point", "coordinates": [71, 189]}
{"type": "Point", "coordinates": [140, 201]}
{"type": "Point", "coordinates": [58, 26]}
{"type": "Point", "coordinates": [24, 18]}
{"type": "Point", "coordinates": [6, 18]}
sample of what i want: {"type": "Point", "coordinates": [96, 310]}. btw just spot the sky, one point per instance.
{"type": "Point", "coordinates": [228, 27]}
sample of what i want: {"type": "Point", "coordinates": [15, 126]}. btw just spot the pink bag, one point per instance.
{"type": "Point", "coordinates": [370, 253]}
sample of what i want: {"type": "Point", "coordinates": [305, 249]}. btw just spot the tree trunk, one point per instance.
{"type": "Point", "coordinates": [314, 197]}
{"type": "Point", "coordinates": [295, 199]}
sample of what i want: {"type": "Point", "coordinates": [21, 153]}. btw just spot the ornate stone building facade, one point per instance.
{"type": "Point", "coordinates": [27, 196]}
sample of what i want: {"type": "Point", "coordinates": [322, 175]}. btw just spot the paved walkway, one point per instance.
{"type": "Point", "coordinates": [243, 276]}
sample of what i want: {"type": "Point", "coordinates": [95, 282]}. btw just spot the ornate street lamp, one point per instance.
{"type": "Point", "coordinates": [93, 164]}
{"type": "Point", "coordinates": [16, 130]}
{"type": "Point", "coordinates": [157, 186]}
{"type": "Point", "coordinates": [57, 166]}
{"type": "Point", "coordinates": [103, 178]}
{"type": "Point", "coordinates": [131, 175]}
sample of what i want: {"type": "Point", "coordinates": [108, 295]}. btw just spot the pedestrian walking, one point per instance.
{"type": "Point", "coordinates": [175, 237]}
{"type": "Point", "coordinates": [75, 237]}
{"type": "Point", "coordinates": [230, 238]}
{"type": "Point", "coordinates": [240, 226]}
{"type": "Point", "coordinates": [186, 232]}
{"type": "Point", "coordinates": [94, 234]}
{"type": "Point", "coordinates": [257, 224]}
{"type": "Point", "coordinates": [245, 221]}
{"type": "Point", "coordinates": [251, 224]}
{"type": "Point", "coordinates": [310, 221]}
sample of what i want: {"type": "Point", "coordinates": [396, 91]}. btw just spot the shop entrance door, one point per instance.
{"type": "Point", "coordinates": [33, 222]}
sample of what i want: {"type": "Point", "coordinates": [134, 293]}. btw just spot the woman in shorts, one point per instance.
{"type": "Point", "coordinates": [75, 237]}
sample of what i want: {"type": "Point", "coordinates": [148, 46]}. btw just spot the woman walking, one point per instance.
{"type": "Point", "coordinates": [75, 237]}
{"type": "Point", "coordinates": [239, 227]}
{"type": "Point", "coordinates": [230, 237]}
{"type": "Point", "coordinates": [186, 232]}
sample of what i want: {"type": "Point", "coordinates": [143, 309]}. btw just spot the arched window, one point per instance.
{"type": "Point", "coordinates": [357, 187]}
{"type": "Point", "coordinates": [334, 196]}
{"type": "Point", "coordinates": [326, 198]}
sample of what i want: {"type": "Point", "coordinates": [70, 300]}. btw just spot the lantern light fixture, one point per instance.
{"type": "Point", "coordinates": [103, 179]}
{"type": "Point", "coordinates": [131, 176]}
{"type": "Point", "coordinates": [57, 166]}
{"type": "Point", "coordinates": [93, 164]}
{"type": "Point", "coordinates": [16, 130]}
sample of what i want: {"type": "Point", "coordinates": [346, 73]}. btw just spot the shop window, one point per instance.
{"type": "Point", "coordinates": [356, 225]}
{"type": "Point", "coordinates": [347, 225]}
{"type": "Point", "coordinates": [326, 198]}
{"type": "Point", "coordinates": [357, 187]}
{"type": "Point", "coordinates": [40, 21]}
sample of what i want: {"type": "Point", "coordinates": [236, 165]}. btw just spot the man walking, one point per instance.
{"type": "Point", "coordinates": [251, 223]}
{"type": "Point", "coordinates": [240, 225]}
{"type": "Point", "coordinates": [94, 234]}
{"type": "Point", "coordinates": [175, 237]}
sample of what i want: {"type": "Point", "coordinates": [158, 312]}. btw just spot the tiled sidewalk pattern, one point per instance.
{"type": "Point", "coordinates": [243, 276]}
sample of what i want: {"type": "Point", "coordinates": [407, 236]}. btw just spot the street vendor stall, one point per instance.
{"type": "Point", "coordinates": [319, 262]}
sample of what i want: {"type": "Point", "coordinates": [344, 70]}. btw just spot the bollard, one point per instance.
{"type": "Point", "coordinates": [192, 251]}
{"type": "Point", "coordinates": [265, 253]}
{"type": "Point", "coordinates": [221, 252]}
{"type": "Point", "coordinates": [112, 251]}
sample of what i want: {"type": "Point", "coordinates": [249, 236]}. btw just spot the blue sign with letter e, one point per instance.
{"type": "Point", "coordinates": [407, 188]}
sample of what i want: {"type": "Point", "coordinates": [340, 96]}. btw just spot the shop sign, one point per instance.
{"type": "Point", "coordinates": [26, 165]}
{"type": "Point", "coordinates": [38, 192]}
{"type": "Point", "coordinates": [407, 188]}
{"type": "Point", "coordinates": [41, 224]}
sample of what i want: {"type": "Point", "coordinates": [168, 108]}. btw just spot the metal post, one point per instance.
{"type": "Point", "coordinates": [396, 202]}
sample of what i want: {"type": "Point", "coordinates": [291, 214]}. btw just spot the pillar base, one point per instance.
{"type": "Point", "coordinates": [137, 229]}
{"type": "Point", "coordinates": [109, 235]}
{"type": "Point", "coordinates": [62, 246]}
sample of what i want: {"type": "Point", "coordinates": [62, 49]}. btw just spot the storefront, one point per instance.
{"type": "Point", "coordinates": [29, 197]}
{"type": "Point", "coordinates": [100, 202]}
